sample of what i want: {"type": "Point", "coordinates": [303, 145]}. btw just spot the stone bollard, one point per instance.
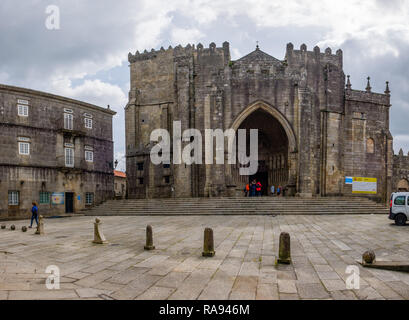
{"type": "Point", "coordinates": [3, 226]}
{"type": "Point", "coordinates": [208, 243]}
{"type": "Point", "coordinates": [284, 251]}
{"type": "Point", "coordinates": [24, 229]}
{"type": "Point", "coordinates": [368, 257]}
{"type": "Point", "coordinates": [40, 226]}
{"type": "Point", "coordinates": [99, 237]}
{"type": "Point", "coordinates": [13, 227]}
{"type": "Point", "coordinates": [149, 239]}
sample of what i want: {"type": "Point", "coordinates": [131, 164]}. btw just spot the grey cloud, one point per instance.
{"type": "Point", "coordinates": [90, 33]}
{"type": "Point", "coordinates": [383, 68]}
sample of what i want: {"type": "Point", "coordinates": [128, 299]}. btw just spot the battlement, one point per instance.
{"type": "Point", "coordinates": [179, 51]}
{"type": "Point", "coordinates": [297, 56]}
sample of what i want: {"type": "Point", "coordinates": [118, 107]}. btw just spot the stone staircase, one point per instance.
{"type": "Point", "coordinates": [238, 206]}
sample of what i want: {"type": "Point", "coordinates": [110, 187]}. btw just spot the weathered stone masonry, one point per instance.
{"type": "Point", "coordinates": [313, 129]}
{"type": "Point", "coordinates": [400, 172]}
{"type": "Point", "coordinates": [44, 169]}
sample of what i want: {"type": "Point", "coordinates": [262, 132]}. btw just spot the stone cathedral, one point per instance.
{"type": "Point", "coordinates": [314, 131]}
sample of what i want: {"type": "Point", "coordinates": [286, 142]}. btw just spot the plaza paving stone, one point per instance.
{"type": "Point", "coordinates": [243, 268]}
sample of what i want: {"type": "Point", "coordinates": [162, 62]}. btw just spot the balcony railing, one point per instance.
{"type": "Point", "coordinates": [77, 128]}
{"type": "Point", "coordinates": [77, 163]}
{"type": "Point", "coordinates": [81, 164]}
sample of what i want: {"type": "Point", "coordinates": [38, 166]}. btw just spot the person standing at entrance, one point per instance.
{"type": "Point", "coordinates": [34, 214]}
{"type": "Point", "coordinates": [258, 189]}
{"type": "Point", "coordinates": [253, 189]}
{"type": "Point", "coordinates": [278, 191]}
{"type": "Point", "coordinates": [246, 190]}
{"type": "Point", "coordinates": [272, 190]}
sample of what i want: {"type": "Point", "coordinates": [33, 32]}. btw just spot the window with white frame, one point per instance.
{"type": "Point", "coordinates": [69, 157]}
{"type": "Point", "coordinates": [22, 107]}
{"type": "Point", "coordinates": [88, 123]}
{"type": "Point", "coordinates": [14, 198]}
{"type": "Point", "coordinates": [89, 198]}
{"type": "Point", "coordinates": [89, 156]}
{"type": "Point", "coordinates": [24, 148]}
{"type": "Point", "coordinates": [22, 110]}
{"type": "Point", "coordinates": [68, 121]}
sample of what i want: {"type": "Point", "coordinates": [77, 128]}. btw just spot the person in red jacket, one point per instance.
{"type": "Point", "coordinates": [258, 189]}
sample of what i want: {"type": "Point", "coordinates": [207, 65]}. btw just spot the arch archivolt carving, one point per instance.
{"type": "Point", "coordinates": [261, 105]}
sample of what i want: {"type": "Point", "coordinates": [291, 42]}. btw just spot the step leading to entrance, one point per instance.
{"type": "Point", "coordinates": [237, 206]}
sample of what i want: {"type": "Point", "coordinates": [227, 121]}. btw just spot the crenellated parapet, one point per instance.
{"type": "Point", "coordinates": [147, 55]}
{"type": "Point", "coordinates": [179, 51]}
{"type": "Point", "coordinates": [296, 57]}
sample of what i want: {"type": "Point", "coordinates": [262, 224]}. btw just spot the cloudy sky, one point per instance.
{"type": "Point", "coordinates": [86, 58]}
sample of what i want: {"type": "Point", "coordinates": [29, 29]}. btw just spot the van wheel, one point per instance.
{"type": "Point", "coordinates": [400, 220]}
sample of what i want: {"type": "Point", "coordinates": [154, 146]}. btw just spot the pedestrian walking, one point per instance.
{"type": "Point", "coordinates": [34, 214]}
{"type": "Point", "coordinates": [278, 191]}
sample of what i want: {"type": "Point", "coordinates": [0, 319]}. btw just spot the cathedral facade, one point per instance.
{"type": "Point", "coordinates": [316, 135]}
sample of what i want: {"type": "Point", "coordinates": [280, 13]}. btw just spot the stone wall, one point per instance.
{"type": "Point", "coordinates": [367, 126]}
{"type": "Point", "coordinates": [120, 187]}
{"type": "Point", "coordinates": [400, 178]}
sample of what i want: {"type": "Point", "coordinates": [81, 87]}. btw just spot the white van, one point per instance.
{"type": "Point", "coordinates": [399, 207]}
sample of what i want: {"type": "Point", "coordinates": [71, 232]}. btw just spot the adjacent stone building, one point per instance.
{"type": "Point", "coordinates": [53, 150]}
{"type": "Point", "coordinates": [120, 184]}
{"type": "Point", "coordinates": [401, 172]}
{"type": "Point", "coordinates": [317, 135]}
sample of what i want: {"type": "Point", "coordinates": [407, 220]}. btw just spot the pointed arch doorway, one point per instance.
{"type": "Point", "coordinates": [276, 148]}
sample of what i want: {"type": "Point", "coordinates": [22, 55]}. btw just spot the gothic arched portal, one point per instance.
{"type": "Point", "coordinates": [276, 149]}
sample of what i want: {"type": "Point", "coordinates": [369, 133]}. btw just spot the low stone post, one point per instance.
{"type": "Point", "coordinates": [149, 239]}
{"type": "Point", "coordinates": [3, 226]}
{"type": "Point", "coordinates": [208, 243]}
{"type": "Point", "coordinates": [368, 257]}
{"type": "Point", "coordinates": [284, 251]}
{"type": "Point", "coordinates": [99, 237]}
{"type": "Point", "coordinates": [40, 226]}
{"type": "Point", "coordinates": [24, 229]}
{"type": "Point", "coordinates": [12, 227]}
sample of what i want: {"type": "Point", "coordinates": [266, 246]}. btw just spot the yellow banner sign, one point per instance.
{"type": "Point", "coordinates": [364, 185]}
